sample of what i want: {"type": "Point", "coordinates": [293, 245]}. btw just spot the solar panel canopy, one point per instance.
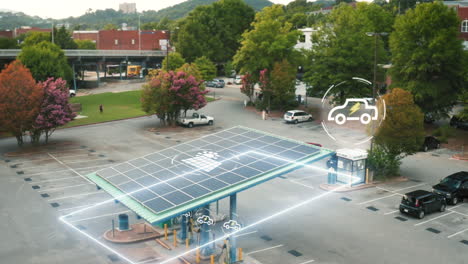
{"type": "Point", "coordinates": [187, 172]}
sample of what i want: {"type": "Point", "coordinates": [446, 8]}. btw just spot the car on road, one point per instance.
{"type": "Point", "coordinates": [421, 202]}
{"type": "Point", "coordinates": [430, 142]}
{"type": "Point", "coordinates": [216, 83]}
{"type": "Point", "coordinates": [296, 116]}
{"type": "Point", "coordinates": [238, 79]}
{"type": "Point", "coordinates": [459, 122]}
{"type": "Point", "coordinates": [196, 119]}
{"type": "Point", "coordinates": [370, 112]}
{"type": "Point", "coordinates": [453, 187]}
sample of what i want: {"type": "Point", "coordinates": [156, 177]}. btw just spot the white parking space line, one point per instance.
{"type": "Point", "coordinates": [457, 212]}
{"type": "Point", "coordinates": [72, 208]}
{"type": "Point", "coordinates": [378, 199]}
{"type": "Point", "coordinates": [70, 168]}
{"type": "Point", "coordinates": [52, 180]}
{"type": "Point", "coordinates": [265, 249]}
{"type": "Point", "coordinates": [417, 185]}
{"type": "Point", "coordinates": [61, 188]}
{"type": "Point", "coordinates": [457, 233]}
{"type": "Point", "coordinates": [83, 168]}
{"type": "Point", "coordinates": [305, 185]}
{"type": "Point", "coordinates": [73, 196]}
{"type": "Point", "coordinates": [310, 176]}
{"type": "Point", "coordinates": [99, 216]}
{"type": "Point", "coordinates": [433, 219]}
{"type": "Point", "coordinates": [390, 191]}
{"type": "Point", "coordinates": [249, 233]}
{"type": "Point", "coordinates": [392, 212]}
{"type": "Point", "coordinates": [309, 261]}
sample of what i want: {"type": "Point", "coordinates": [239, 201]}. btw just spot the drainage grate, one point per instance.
{"type": "Point", "coordinates": [266, 238]}
{"type": "Point", "coordinates": [178, 141]}
{"type": "Point", "coordinates": [282, 177]}
{"type": "Point", "coordinates": [111, 161]}
{"type": "Point", "coordinates": [372, 208]}
{"type": "Point", "coordinates": [113, 257]}
{"type": "Point", "coordinates": [465, 242]}
{"type": "Point", "coordinates": [35, 187]}
{"type": "Point", "coordinates": [91, 150]}
{"type": "Point", "coordinates": [7, 160]}
{"type": "Point", "coordinates": [295, 253]}
{"type": "Point", "coordinates": [80, 227]}
{"type": "Point", "coordinates": [20, 172]}
{"type": "Point", "coordinates": [401, 218]}
{"type": "Point", "coordinates": [345, 199]}
{"type": "Point", "coordinates": [433, 230]}
{"type": "Point", "coordinates": [14, 166]}
{"type": "Point", "coordinates": [168, 137]}
{"type": "Point", "coordinates": [101, 155]}
{"type": "Point", "coordinates": [27, 179]}
{"type": "Point", "coordinates": [45, 195]}
{"type": "Point", "coordinates": [55, 205]}
{"type": "Point", "coordinates": [83, 147]}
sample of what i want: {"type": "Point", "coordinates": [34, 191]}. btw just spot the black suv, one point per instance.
{"type": "Point", "coordinates": [454, 187]}
{"type": "Point", "coordinates": [420, 203]}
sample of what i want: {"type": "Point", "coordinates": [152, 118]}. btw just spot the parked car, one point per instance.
{"type": "Point", "coordinates": [453, 187]}
{"type": "Point", "coordinates": [196, 119]}
{"type": "Point", "coordinates": [238, 79]}
{"type": "Point", "coordinates": [458, 122]}
{"type": "Point", "coordinates": [72, 93]}
{"type": "Point", "coordinates": [421, 202]}
{"type": "Point", "coordinates": [216, 83]}
{"type": "Point", "coordinates": [296, 116]}
{"type": "Point", "coordinates": [430, 142]}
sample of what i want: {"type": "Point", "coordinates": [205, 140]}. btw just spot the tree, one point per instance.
{"type": "Point", "coordinates": [175, 61]}
{"type": "Point", "coordinates": [8, 43]}
{"type": "Point", "coordinates": [270, 40]}
{"type": "Point", "coordinates": [401, 133]}
{"type": "Point", "coordinates": [32, 38]}
{"type": "Point", "coordinates": [110, 27]}
{"type": "Point", "coordinates": [206, 67]}
{"type": "Point", "coordinates": [63, 38]}
{"type": "Point", "coordinates": [283, 84]}
{"type": "Point", "coordinates": [85, 44]}
{"type": "Point", "coordinates": [20, 100]}
{"type": "Point", "coordinates": [46, 60]}
{"type": "Point", "coordinates": [169, 94]}
{"type": "Point", "coordinates": [54, 111]}
{"type": "Point", "coordinates": [191, 69]}
{"type": "Point", "coordinates": [214, 30]}
{"type": "Point", "coordinates": [248, 86]}
{"type": "Point", "coordinates": [229, 70]}
{"type": "Point", "coordinates": [427, 56]}
{"type": "Point", "coordinates": [343, 50]}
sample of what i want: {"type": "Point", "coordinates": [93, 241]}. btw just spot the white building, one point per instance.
{"type": "Point", "coordinates": [305, 41]}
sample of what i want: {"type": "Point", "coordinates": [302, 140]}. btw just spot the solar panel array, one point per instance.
{"type": "Point", "coordinates": [188, 171]}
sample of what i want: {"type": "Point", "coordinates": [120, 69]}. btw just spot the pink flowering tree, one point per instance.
{"type": "Point", "coordinates": [170, 94]}
{"type": "Point", "coordinates": [248, 86]}
{"type": "Point", "coordinates": [55, 110]}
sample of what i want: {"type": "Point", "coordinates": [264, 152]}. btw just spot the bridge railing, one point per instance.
{"type": "Point", "coordinates": [94, 53]}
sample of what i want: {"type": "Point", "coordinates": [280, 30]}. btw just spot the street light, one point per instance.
{"type": "Point", "coordinates": [139, 34]}
{"type": "Point", "coordinates": [375, 34]}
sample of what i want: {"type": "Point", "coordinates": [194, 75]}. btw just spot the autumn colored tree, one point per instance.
{"type": "Point", "coordinates": [401, 133]}
{"type": "Point", "coordinates": [55, 110]}
{"type": "Point", "coordinates": [169, 94]}
{"type": "Point", "coordinates": [283, 84]}
{"type": "Point", "coordinates": [248, 86]}
{"type": "Point", "coordinates": [20, 100]}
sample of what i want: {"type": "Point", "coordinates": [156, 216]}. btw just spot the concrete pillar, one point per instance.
{"type": "Point", "coordinates": [233, 216]}
{"type": "Point", "coordinates": [97, 73]}
{"type": "Point", "coordinates": [183, 228]}
{"type": "Point", "coordinates": [120, 70]}
{"type": "Point", "coordinates": [206, 250]}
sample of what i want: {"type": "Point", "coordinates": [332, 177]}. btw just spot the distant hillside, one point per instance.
{"type": "Point", "coordinates": [99, 18]}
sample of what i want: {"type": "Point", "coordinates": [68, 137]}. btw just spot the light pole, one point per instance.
{"type": "Point", "coordinates": [375, 34]}
{"type": "Point", "coordinates": [53, 42]}
{"type": "Point", "coordinates": [139, 33]}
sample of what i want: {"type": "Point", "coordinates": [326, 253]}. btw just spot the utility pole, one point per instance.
{"type": "Point", "coordinates": [139, 33]}
{"type": "Point", "coordinates": [53, 42]}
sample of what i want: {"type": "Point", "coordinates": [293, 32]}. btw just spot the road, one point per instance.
{"type": "Point", "coordinates": [358, 227]}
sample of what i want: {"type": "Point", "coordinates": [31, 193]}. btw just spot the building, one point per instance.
{"type": "Point", "coordinates": [86, 35]}
{"type": "Point", "coordinates": [24, 30]}
{"type": "Point", "coordinates": [305, 41]}
{"type": "Point", "coordinates": [462, 10]}
{"type": "Point", "coordinates": [127, 8]}
{"type": "Point", "coordinates": [6, 34]}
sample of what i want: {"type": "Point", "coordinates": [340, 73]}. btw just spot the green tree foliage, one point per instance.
{"type": "Point", "coordinates": [401, 6]}
{"type": "Point", "coordinates": [164, 24]}
{"type": "Point", "coordinates": [401, 133]}
{"type": "Point", "coordinates": [192, 69]}
{"type": "Point", "coordinates": [32, 38]}
{"type": "Point", "coordinates": [214, 30]}
{"type": "Point", "coordinates": [46, 60]}
{"type": "Point", "coordinates": [175, 61]}
{"type": "Point", "coordinates": [427, 56]}
{"type": "Point", "coordinates": [229, 70]}
{"type": "Point", "coordinates": [206, 67]}
{"type": "Point", "coordinates": [8, 43]}
{"type": "Point", "coordinates": [110, 27]}
{"type": "Point", "coordinates": [270, 40]}
{"type": "Point", "coordinates": [298, 13]}
{"type": "Point", "coordinates": [283, 84]}
{"type": "Point", "coordinates": [85, 44]}
{"type": "Point", "coordinates": [343, 50]}
{"type": "Point", "coordinates": [63, 38]}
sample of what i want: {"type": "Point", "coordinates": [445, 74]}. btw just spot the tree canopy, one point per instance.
{"type": "Point", "coordinates": [427, 56]}
{"type": "Point", "coordinates": [85, 44]}
{"type": "Point", "coordinates": [214, 30]}
{"type": "Point", "coordinates": [206, 67]}
{"type": "Point", "coordinates": [175, 61]}
{"type": "Point", "coordinates": [63, 38]}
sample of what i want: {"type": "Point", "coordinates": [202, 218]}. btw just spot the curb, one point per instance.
{"type": "Point", "coordinates": [460, 157]}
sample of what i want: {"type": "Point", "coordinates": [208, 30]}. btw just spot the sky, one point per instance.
{"type": "Point", "coordinates": [65, 8]}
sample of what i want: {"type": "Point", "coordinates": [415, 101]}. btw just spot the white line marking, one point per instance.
{"type": "Point", "coordinates": [99, 216]}
{"type": "Point", "coordinates": [71, 208]}
{"type": "Point", "coordinates": [73, 196]}
{"type": "Point", "coordinates": [392, 212]}
{"type": "Point", "coordinates": [433, 218]}
{"type": "Point", "coordinates": [52, 180]}
{"type": "Point", "coordinates": [309, 261]}
{"type": "Point", "coordinates": [457, 212]}
{"type": "Point", "coordinates": [397, 190]}
{"type": "Point", "coordinates": [310, 176]}
{"type": "Point", "coordinates": [455, 206]}
{"type": "Point", "coordinates": [378, 199]}
{"type": "Point", "coordinates": [390, 191]}
{"type": "Point", "coordinates": [61, 188]}
{"type": "Point", "coordinates": [265, 249]}
{"type": "Point", "coordinates": [305, 185]}
{"type": "Point", "coordinates": [88, 180]}
{"type": "Point", "coordinates": [83, 168]}
{"type": "Point", "coordinates": [244, 234]}
{"type": "Point", "coordinates": [457, 233]}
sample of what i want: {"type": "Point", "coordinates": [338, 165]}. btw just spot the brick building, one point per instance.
{"type": "Point", "coordinates": [462, 10]}
{"type": "Point", "coordinates": [6, 34]}
{"type": "Point", "coordinates": [86, 35]}
{"type": "Point", "coordinates": [24, 30]}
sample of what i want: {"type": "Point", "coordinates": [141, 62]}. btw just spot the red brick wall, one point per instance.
{"type": "Point", "coordinates": [6, 34]}
{"type": "Point", "coordinates": [463, 15]}
{"type": "Point", "coordinates": [93, 36]}
{"type": "Point", "coordinates": [20, 31]}
{"type": "Point", "coordinates": [149, 39]}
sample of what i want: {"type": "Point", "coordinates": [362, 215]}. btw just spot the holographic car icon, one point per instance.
{"type": "Point", "coordinates": [205, 219]}
{"type": "Point", "coordinates": [371, 112]}
{"type": "Point", "coordinates": [232, 224]}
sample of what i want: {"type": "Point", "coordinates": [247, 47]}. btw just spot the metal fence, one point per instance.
{"type": "Point", "coordinates": [95, 53]}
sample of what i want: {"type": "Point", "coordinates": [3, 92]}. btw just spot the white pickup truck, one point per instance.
{"type": "Point", "coordinates": [196, 119]}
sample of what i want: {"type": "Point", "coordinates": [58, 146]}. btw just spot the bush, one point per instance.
{"type": "Point", "coordinates": [443, 133]}
{"type": "Point", "coordinates": [383, 163]}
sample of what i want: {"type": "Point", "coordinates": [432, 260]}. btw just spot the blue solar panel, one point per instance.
{"type": "Point", "coordinates": [188, 171]}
